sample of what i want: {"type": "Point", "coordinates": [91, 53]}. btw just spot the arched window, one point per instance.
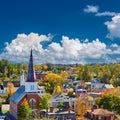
{"type": "Point", "coordinates": [32, 103]}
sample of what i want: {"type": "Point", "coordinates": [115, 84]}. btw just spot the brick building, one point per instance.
{"type": "Point", "coordinates": [28, 91]}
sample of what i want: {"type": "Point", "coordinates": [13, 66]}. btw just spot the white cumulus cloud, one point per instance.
{"type": "Point", "coordinates": [113, 27]}
{"type": "Point", "coordinates": [91, 9]}
{"type": "Point", "coordinates": [66, 52]}
{"type": "Point", "coordinates": [106, 13]}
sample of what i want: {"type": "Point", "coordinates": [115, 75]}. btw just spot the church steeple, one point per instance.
{"type": "Point", "coordinates": [31, 84]}
{"type": "Point", "coordinates": [22, 78]}
{"type": "Point", "coordinates": [31, 75]}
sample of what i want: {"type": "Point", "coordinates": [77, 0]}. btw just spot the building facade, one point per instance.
{"type": "Point", "coordinates": [28, 91]}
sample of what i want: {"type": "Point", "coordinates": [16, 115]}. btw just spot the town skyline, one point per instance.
{"type": "Point", "coordinates": [60, 32]}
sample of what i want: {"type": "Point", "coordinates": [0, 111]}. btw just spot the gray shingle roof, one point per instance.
{"type": "Point", "coordinates": [18, 95]}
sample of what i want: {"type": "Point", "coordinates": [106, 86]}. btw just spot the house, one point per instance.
{"type": "Point", "coordinates": [40, 75]}
{"type": "Point", "coordinates": [27, 91]}
{"type": "Point", "coordinates": [62, 115]}
{"type": "Point", "coordinates": [80, 90]}
{"type": "Point", "coordinates": [41, 90]}
{"type": "Point", "coordinates": [5, 83]}
{"type": "Point", "coordinates": [62, 97]}
{"type": "Point", "coordinates": [108, 86]}
{"type": "Point", "coordinates": [96, 83]}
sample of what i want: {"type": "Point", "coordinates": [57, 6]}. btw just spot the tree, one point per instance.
{"type": "Point", "coordinates": [64, 75]}
{"type": "Point", "coordinates": [10, 88]}
{"type": "Point", "coordinates": [60, 104]}
{"type": "Point", "coordinates": [44, 67]}
{"type": "Point", "coordinates": [113, 91]}
{"type": "Point", "coordinates": [44, 103]}
{"type": "Point", "coordinates": [110, 102]}
{"type": "Point", "coordinates": [81, 108]}
{"type": "Point", "coordinates": [58, 89]}
{"type": "Point", "coordinates": [107, 91]}
{"type": "Point", "coordinates": [48, 95]}
{"type": "Point", "coordinates": [24, 111]}
{"type": "Point", "coordinates": [52, 80]}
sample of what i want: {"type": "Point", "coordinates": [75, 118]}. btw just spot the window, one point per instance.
{"type": "Point", "coordinates": [33, 104]}
{"type": "Point", "coordinates": [32, 87]}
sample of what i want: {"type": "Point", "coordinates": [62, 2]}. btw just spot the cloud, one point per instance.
{"type": "Point", "coordinates": [67, 52]}
{"type": "Point", "coordinates": [106, 13]}
{"type": "Point", "coordinates": [113, 27]}
{"type": "Point", "coordinates": [91, 9]}
{"type": "Point", "coordinates": [95, 9]}
{"type": "Point", "coordinates": [18, 50]}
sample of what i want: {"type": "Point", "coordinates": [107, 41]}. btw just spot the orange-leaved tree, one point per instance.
{"type": "Point", "coordinates": [10, 88]}
{"type": "Point", "coordinates": [107, 91]}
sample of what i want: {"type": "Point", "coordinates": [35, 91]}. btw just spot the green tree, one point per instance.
{"type": "Point", "coordinates": [59, 105]}
{"type": "Point", "coordinates": [24, 111]}
{"type": "Point", "coordinates": [110, 102]}
{"type": "Point", "coordinates": [44, 103]}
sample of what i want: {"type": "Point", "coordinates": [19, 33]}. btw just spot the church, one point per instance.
{"type": "Point", "coordinates": [28, 90]}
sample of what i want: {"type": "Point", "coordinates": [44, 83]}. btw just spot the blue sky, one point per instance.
{"type": "Point", "coordinates": [60, 31]}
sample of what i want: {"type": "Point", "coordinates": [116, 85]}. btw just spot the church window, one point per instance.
{"type": "Point", "coordinates": [32, 87]}
{"type": "Point", "coordinates": [33, 104]}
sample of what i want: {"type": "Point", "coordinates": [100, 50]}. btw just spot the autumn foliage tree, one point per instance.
{"type": "Point", "coordinates": [52, 80]}
{"type": "Point", "coordinates": [10, 88]}
{"type": "Point", "coordinates": [24, 111]}
{"type": "Point", "coordinates": [81, 108]}
{"type": "Point", "coordinates": [58, 89]}
{"type": "Point", "coordinates": [107, 91]}
{"type": "Point", "coordinates": [113, 91]}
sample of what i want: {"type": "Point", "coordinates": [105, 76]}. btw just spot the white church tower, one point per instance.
{"type": "Point", "coordinates": [22, 82]}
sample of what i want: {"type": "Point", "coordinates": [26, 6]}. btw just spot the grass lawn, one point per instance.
{"type": "Point", "coordinates": [5, 111]}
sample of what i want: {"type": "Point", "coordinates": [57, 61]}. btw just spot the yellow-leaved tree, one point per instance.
{"type": "Point", "coordinates": [25, 103]}
{"type": "Point", "coordinates": [24, 111]}
{"type": "Point", "coordinates": [58, 89]}
{"type": "Point", "coordinates": [81, 107]}
{"type": "Point", "coordinates": [10, 88]}
{"type": "Point", "coordinates": [52, 80]}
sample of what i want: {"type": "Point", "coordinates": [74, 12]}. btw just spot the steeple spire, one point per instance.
{"type": "Point", "coordinates": [22, 78]}
{"type": "Point", "coordinates": [31, 75]}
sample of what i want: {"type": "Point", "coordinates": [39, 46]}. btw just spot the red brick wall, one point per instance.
{"type": "Point", "coordinates": [40, 76]}
{"type": "Point", "coordinates": [13, 109]}
{"type": "Point", "coordinates": [34, 96]}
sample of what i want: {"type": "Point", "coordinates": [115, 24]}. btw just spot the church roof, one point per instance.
{"type": "Point", "coordinates": [31, 74]}
{"type": "Point", "coordinates": [18, 95]}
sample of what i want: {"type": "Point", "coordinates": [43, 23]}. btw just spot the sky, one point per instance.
{"type": "Point", "coordinates": [60, 31]}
